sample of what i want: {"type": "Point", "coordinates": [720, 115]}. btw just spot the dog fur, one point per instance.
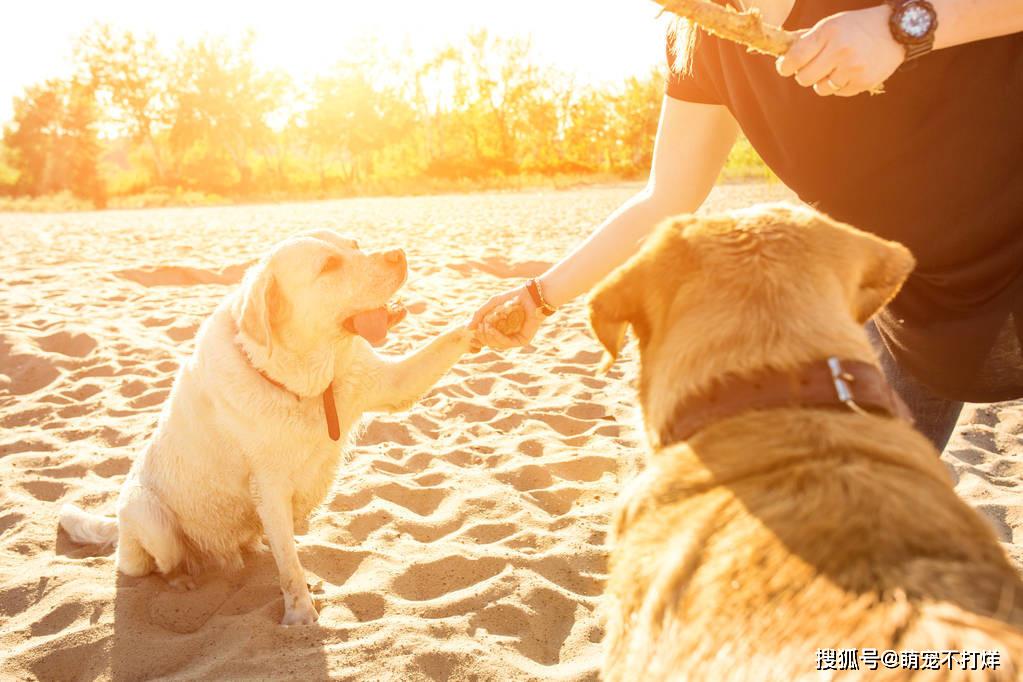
{"type": "Point", "coordinates": [770, 535]}
{"type": "Point", "coordinates": [233, 456]}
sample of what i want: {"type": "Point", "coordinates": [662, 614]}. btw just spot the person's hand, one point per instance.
{"type": "Point", "coordinates": [484, 318]}
{"type": "Point", "coordinates": [845, 54]}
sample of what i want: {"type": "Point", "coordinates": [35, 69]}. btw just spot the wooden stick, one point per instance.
{"type": "Point", "coordinates": [746, 28]}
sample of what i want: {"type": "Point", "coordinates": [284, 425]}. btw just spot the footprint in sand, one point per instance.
{"type": "Point", "coordinates": [503, 268]}
{"type": "Point", "coordinates": [486, 533]}
{"type": "Point", "coordinates": [75, 345]}
{"type": "Point", "coordinates": [470, 412]}
{"type": "Point", "coordinates": [389, 467]}
{"type": "Point", "coordinates": [183, 275]}
{"type": "Point", "coordinates": [423, 501]}
{"type": "Point", "coordinates": [23, 373]}
{"type": "Point", "coordinates": [182, 332]}
{"type": "Point", "coordinates": [526, 478]}
{"type": "Point", "coordinates": [555, 501]}
{"type": "Point", "coordinates": [427, 533]}
{"type": "Point", "coordinates": [539, 627]}
{"type": "Point", "coordinates": [382, 431]}
{"type": "Point", "coordinates": [26, 445]}
{"type": "Point", "coordinates": [361, 526]}
{"type": "Point", "coordinates": [47, 491]}
{"type": "Point", "coordinates": [9, 521]}
{"type": "Point", "coordinates": [187, 611]}
{"type": "Point", "coordinates": [584, 469]}
{"type": "Point", "coordinates": [365, 606]}
{"type": "Point", "coordinates": [581, 573]}
{"type": "Point", "coordinates": [422, 582]}
{"type": "Point", "coordinates": [980, 436]}
{"type": "Point", "coordinates": [431, 480]}
{"type": "Point", "coordinates": [151, 399]}
{"type": "Point", "coordinates": [331, 563]}
{"type": "Point", "coordinates": [58, 619]}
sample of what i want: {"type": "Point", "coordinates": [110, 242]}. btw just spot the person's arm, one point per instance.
{"type": "Point", "coordinates": [854, 52]}
{"type": "Point", "coordinates": [692, 143]}
{"type": "Point", "coordinates": [966, 21]}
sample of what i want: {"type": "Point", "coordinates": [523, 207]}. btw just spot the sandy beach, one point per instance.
{"type": "Point", "coordinates": [464, 539]}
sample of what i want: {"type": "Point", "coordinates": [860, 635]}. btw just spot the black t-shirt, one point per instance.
{"type": "Point", "coordinates": [936, 162]}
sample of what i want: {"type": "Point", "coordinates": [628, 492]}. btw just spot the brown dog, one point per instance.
{"type": "Point", "coordinates": [771, 539]}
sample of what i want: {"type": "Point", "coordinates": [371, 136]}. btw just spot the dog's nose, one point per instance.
{"type": "Point", "coordinates": [394, 256]}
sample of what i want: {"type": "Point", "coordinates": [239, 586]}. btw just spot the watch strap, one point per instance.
{"type": "Point", "coordinates": [545, 308]}
{"type": "Point", "coordinates": [918, 50]}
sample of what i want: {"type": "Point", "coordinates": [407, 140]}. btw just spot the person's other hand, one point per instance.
{"type": "Point", "coordinates": [484, 319]}
{"type": "Point", "coordinates": [845, 54]}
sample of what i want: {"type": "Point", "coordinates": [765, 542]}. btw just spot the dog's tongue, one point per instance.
{"type": "Point", "coordinates": [371, 325]}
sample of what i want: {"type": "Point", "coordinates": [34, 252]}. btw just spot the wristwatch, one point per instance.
{"type": "Point", "coordinates": [913, 23]}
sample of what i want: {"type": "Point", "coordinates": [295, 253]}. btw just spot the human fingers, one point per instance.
{"type": "Point", "coordinates": [807, 46]}
{"type": "Point", "coordinates": [829, 85]}
{"type": "Point", "coordinates": [818, 68]}
{"type": "Point", "coordinates": [492, 338]}
{"type": "Point", "coordinates": [491, 303]}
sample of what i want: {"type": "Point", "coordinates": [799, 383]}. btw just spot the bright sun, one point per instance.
{"type": "Point", "coordinates": [597, 41]}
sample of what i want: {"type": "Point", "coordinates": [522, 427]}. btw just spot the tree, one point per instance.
{"type": "Point", "coordinates": [353, 117]}
{"type": "Point", "coordinates": [53, 141]}
{"type": "Point", "coordinates": [131, 77]}
{"type": "Point", "coordinates": [637, 111]}
{"type": "Point", "coordinates": [223, 102]}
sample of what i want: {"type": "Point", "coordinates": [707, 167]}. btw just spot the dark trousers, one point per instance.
{"type": "Point", "coordinates": [934, 416]}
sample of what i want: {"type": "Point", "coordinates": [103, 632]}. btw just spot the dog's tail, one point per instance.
{"type": "Point", "coordinates": [88, 529]}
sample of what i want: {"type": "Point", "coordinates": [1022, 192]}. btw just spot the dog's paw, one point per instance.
{"type": "Point", "coordinates": [466, 339]}
{"type": "Point", "coordinates": [302, 613]}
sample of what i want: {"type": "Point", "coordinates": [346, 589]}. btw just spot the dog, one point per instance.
{"type": "Point", "coordinates": [756, 541]}
{"type": "Point", "coordinates": [252, 434]}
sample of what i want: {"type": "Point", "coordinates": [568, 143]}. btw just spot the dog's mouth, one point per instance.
{"type": "Point", "coordinates": [374, 324]}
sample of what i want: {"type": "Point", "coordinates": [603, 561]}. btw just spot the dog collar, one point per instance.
{"type": "Point", "coordinates": [832, 383]}
{"type": "Point", "coordinates": [329, 406]}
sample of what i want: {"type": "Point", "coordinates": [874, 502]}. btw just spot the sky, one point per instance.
{"type": "Point", "coordinates": [600, 41]}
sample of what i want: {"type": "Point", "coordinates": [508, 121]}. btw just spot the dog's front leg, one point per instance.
{"type": "Point", "coordinates": [274, 508]}
{"type": "Point", "coordinates": [405, 381]}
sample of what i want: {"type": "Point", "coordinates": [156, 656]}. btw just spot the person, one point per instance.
{"type": "Point", "coordinates": [935, 161]}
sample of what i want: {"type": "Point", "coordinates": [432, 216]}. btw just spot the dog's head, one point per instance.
{"type": "Point", "coordinates": [773, 286]}
{"type": "Point", "coordinates": [313, 291]}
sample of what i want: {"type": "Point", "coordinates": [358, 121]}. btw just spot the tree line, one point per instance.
{"type": "Point", "coordinates": [134, 118]}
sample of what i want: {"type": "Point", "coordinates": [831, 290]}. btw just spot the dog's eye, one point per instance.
{"type": "Point", "coordinates": [332, 264]}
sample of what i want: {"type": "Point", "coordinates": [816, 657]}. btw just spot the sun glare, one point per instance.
{"type": "Point", "coordinates": [119, 102]}
{"type": "Point", "coordinates": [595, 42]}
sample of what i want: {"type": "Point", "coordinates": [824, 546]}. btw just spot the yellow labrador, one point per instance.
{"type": "Point", "coordinates": [252, 433]}
{"type": "Point", "coordinates": [761, 538]}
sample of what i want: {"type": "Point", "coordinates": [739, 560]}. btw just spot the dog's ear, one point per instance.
{"type": "Point", "coordinates": [259, 308]}
{"type": "Point", "coordinates": [612, 309]}
{"type": "Point", "coordinates": [621, 299]}
{"type": "Point", "coordinates": [883, 266]}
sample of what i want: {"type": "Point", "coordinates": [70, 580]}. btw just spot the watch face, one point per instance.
{"type": "Point", "coordinates": [915, 21]}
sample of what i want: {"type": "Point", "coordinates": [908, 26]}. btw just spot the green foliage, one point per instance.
{"type": "Point", "coordinates": [744, 163]}
{"type": "Point", "coordinates": [53, 143]}
{"type": "Point", "coordinates": [8, 174]}
{"type": "Point", "coordinates": [204, 122]}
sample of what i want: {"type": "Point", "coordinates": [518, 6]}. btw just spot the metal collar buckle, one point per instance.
{"type": "Point", "coordinates": [841, 380]}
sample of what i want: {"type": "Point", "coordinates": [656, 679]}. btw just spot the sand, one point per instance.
{"type": "Point", "coordinates": [464, 539]}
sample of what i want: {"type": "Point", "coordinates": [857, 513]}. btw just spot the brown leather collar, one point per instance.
{"type": "Point", "coordinates": [832, 383]}
{"type": "Point", "coordinates": [329, 407]}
